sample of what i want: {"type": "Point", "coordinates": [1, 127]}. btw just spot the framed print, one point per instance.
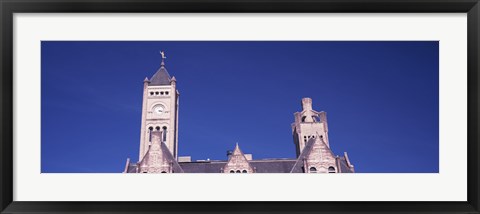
{"type": "Point", "coordinates": [271, 106]}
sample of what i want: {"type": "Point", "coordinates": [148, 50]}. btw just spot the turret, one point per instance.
{"type": "Point", "coordinates": [308, 124]}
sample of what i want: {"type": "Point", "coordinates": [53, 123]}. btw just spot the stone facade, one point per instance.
{"type": "Point", "coordinates": [237, 162]}
{"type": "Point", "coordinates": [155, 161]}
{"type": "Point", "coordinates": [159, 140]}
{"type": "Point", "coordinates": [159, 111]}
{"type": "Point", "coordinates": [309, 124]}
{"type": "Point", "coordinates": [320, 159]}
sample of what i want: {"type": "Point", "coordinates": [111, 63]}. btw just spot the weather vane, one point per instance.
{"type": "Point", "coordinates": [163, 57]}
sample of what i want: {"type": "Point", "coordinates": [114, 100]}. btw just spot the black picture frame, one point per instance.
{"type": "Point", "coordinates": [9, 7]}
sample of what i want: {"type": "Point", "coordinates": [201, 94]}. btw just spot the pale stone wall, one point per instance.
{"type": "Point", "coordinates": [144, 115]}
{"type": "Point", "coordinates": [154, 161]}
{"type": "Point", "coordinates": [320, 158]}
{"type": "Point", "coordinates": [167, 97]}
{"type": "Point", "coordinates": [309, 123]}
{"type": "Point", "coordinates": [237, 163]}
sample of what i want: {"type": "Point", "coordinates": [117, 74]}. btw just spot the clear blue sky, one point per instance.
{"type": "Point", "coordinates": [381, 100]}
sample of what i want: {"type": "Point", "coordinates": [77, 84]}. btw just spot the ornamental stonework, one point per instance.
{"type": "Point", "coordinates": [237, 163]}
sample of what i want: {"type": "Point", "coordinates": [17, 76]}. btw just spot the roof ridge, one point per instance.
{"type": "Point", "coordinates": [167, 152]}
{"type": "Point", "coordinates": [306, 150]}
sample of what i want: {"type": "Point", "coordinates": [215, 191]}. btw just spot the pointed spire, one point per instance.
{"type": "Point", "coordinates": [237, 150]}
{"type": "Point", "coordinates": [161, 77]}
{"type": "Point", "coordinates": [146, 79]}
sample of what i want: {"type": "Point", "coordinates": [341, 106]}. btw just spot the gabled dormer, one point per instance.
{"type": "Point", "coordinates": [316, 157]}
{"type": "Point", "coordinates": [237, 162]}
{"type": "Point", "coordinates": [158, 158]}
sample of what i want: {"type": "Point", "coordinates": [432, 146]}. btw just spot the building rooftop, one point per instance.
{"type": "Point", "coordinates": [161, 77]}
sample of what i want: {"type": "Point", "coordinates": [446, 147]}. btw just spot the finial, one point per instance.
{"type": "Point", "coordinates": [163, 57]}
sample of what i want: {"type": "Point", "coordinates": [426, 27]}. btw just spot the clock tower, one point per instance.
{"type": "Point", "coordinates": [159, 111]}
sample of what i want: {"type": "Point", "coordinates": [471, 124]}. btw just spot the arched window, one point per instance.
{"type": "Point", "coordinates": [150, 134]}
{"type": "Point", "coordinates": [244, 171]}
{"type": "Point", "coordinates": [164, 133]}
{"type": "Point", "coordinates": [316, 119]}
{"type": "Point", "coordinates": [303, 119]}
{"type": "Point", "coordinates": [238, 171]}
{"type": "Point", "coordinates": [313, 170]}
{"type": "Point", "coordinates": [331, 169]}
{"type": "Point", "coordinates": [163, 172]}
{"type": "Point", "coordinates": [231, 171]}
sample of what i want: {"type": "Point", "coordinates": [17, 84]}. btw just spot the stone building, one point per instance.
{"type": "Point", "coordinates": [158, 151]}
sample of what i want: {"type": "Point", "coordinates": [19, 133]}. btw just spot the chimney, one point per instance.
{"type": "Point", "coordinates": [307, 103]}
{"type": "Point", "coordinates": [229, 153]}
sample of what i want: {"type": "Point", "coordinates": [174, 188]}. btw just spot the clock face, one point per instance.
{"type": "Point", "coordinates": [158, 109]}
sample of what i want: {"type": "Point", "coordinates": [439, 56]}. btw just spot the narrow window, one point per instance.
{"type": "Point", "coordinates": [313, 170]}
{"type": "Point", "coordinates": [161, 93]}
{"type": "Point", "coordinates": [156, 92]}
{"type": "Point", "coordinates": [150, 134]}
{"type": "Point", "coordinates": [164, 133]}
{"type": "Point", "coordinates": [331, 169]}
{"type": "Point", "coordinates": [303, 118]}
{"type": "Point", "coordinates": [166, 92]}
